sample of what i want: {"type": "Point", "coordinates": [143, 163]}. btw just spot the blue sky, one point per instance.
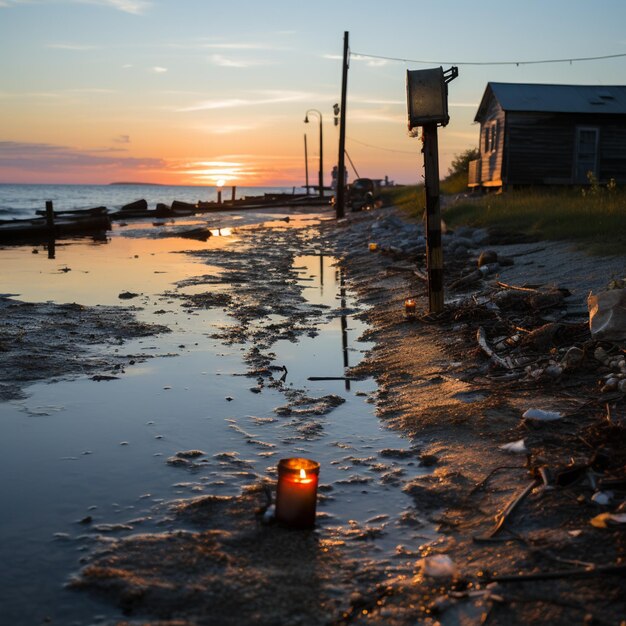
{"type": "Point", "coordinates": [195, 91]}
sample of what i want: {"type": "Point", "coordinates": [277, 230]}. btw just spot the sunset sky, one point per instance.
{"type": "Point", "coordinates": [194, 91]}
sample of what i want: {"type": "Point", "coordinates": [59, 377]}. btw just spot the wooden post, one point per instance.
{"type": "Point", "coordinates": [434, 252]}
{"type": "Point", "coordinates": [50, 226]}
{"type": "Point", "coordinates": [233, 194]}
{"type": "Point", "coordinates": [49, 215]}
{"type": "Point", "coordinates": [219, 195]}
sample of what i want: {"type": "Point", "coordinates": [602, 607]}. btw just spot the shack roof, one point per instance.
{"type": "Point", "coordinates": [540, 98]}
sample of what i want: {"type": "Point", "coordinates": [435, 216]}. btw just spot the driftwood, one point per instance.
{"type": "Point", "coordinates": [481, 338]}
{"type": "Point", "coordinates": [515, 287]}
{"type": "Point", "coordinates": [508, 510]}
{"type": "Point", "coordinates": [331, 378]}
{"type": "Point", "coordinates": [421, 274]}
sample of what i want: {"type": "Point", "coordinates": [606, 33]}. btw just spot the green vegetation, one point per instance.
{"type": "Point", "coordinates": [456, 180]}
{"type": "Point", "coordinates": [409, 198]}
{"type": "Point", "coordinates": [595, 216]}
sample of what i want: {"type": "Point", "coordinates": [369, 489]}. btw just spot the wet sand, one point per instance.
{"type": "Point", "coordinates": [264, 309]}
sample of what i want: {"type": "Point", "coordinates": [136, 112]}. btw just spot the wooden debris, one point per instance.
{"type": "Point", "coordinates": [508, 510]}
{"type": "Point", "coordinates": [481, 338]}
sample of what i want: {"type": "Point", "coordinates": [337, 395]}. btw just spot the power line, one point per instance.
{"type": "Point", "coordinates": [369, 145]}
{"type": "Point", "coordinates": [518, 63]}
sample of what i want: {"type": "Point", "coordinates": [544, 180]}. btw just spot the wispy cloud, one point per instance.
{"type": "Point", "coordinates": [363, 115]}
{"type": "Point", "coordinates": [262, 98]}
{"type": "Point", "coordinates": [157, 69]}
{"type": "Point", "coordinates": [223, 61]}
{"type": "Point", "coordinates": [220, 45]}
{"type": "Point", "coordinates": [135, 7]}
{"type": "Point", "coordinates": [369, 61]}
{"type": "Point", "coordinates": [359, 59]}
{"type": "Point", "coordinates": [44, 157]}
{"type": "Point", "coordinates": [228, 129]}
{"type": "Point", "coordinates": [122, 139]}
{"type": "Point", "coordinates": [77, 47]}
{"type": "Point", "coordinates": [378, 101]}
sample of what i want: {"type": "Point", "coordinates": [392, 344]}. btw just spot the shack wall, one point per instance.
{"type": "Point", "coordinates": [492, 142]}
{"type": "Point", "coordinates": [541, 148]}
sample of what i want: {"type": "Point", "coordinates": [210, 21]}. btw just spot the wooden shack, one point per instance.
{"type": "Point", "coordinates": [535, 134]}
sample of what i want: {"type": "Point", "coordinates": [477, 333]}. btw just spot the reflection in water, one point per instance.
{"type": "Point", "coordinates": [344, 324]}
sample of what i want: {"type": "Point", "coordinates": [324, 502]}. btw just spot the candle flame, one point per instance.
{"type": "Point", "coordinates": [302, 474]}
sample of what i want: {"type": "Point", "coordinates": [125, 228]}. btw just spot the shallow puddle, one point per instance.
{"type": "Point", "coordinates": [85, 458]}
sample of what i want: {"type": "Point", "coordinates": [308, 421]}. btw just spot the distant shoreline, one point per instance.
{"type": "Point", "coordinates": [132, 183]}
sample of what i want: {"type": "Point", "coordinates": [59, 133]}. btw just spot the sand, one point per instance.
{"type": "Point", "coordinates": [218, 563]}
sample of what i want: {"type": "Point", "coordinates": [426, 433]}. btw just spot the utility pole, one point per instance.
{"type": "Point", "coordinates": [427, 103]}
{"type": "Point", "coordinates": [434, 254]}
{"type": "Point", "coordinates": [341, 165]}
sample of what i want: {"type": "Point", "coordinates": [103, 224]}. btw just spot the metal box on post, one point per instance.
{"type": "Point", "coordinates": [427, 97]}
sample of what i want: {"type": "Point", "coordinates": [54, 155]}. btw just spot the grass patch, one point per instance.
{"type": "Point", "coordinates": [596, 220]}
{"type": "Point", "coordinates": [409, 198]}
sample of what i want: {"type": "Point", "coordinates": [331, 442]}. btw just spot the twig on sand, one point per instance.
{"type": "Point", "coordinates": [484, 481]}
{"type": "Point", "coordinates": [332, 378]}
{"type": "Point", "coordinates": [508, 510]}
{"type": "Point", "coordinates": [515, 287]}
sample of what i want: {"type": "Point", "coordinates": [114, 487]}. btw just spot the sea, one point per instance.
{"type": "Point", "coordinates": [23, 201]}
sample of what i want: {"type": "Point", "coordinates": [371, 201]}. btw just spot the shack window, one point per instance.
{"type": "Point", "coordinates": [491, 137]}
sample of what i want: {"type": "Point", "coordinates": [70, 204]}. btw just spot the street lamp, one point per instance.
{"type": "Point", "coordinates": [321, 173]}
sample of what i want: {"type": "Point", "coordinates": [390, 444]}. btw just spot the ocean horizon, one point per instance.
{"type": "Point", "coordinates": [23, 200]}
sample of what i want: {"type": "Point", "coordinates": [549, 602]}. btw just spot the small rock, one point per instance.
{"type": "Point", "coordinates": [572, 358]}
{"type": "Point", "coordinates": [438, 566]}
{"type": "Point", "coordinates": [486, 257]}
{"type": "Point", "coordinates": [127, 295]}
{"type": "Point", "coordinates": [541, 415]}
{"type": "Point", "coordinates": [553, 371]}
{"type": "Point", "coordinates": [428, 460]}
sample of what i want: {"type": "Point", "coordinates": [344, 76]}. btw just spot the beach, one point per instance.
{"type": "Point", "coordinates": [151, 383]}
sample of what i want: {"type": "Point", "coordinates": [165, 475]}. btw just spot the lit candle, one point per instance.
{"type": "Point", "coordinates": [296, 494]}
{"type": "Point", "coordinates": [373, 246]}
{"type": "Point", "coordinates": [409, 308]}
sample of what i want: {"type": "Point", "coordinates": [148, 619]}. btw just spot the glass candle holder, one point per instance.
{"type": "Point", "coordinates": [296, 493]}
{"type": "Point", "coordinates": [373, 246]}
{"type": "Point", "coordinates": [410, 308]}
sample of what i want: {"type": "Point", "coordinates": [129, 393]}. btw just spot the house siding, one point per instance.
{"type": "Point", "coordinates": [540, 148]}
{"type": "Point", "coordinates": [491, 160]}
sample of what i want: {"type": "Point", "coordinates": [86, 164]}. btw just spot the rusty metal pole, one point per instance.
{"type": "Point", "coordinates": [434, 252]}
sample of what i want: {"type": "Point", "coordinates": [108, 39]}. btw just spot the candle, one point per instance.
{"type": "Point", "coordinates": [296, 494]}
{"type": "Point", "coordinates": [373, 246]}
{"type": "Point", "coordinates": [409, 308]}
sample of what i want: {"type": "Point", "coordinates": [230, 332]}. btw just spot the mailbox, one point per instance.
{"type": "Point", "coordinates": [427, 96]}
